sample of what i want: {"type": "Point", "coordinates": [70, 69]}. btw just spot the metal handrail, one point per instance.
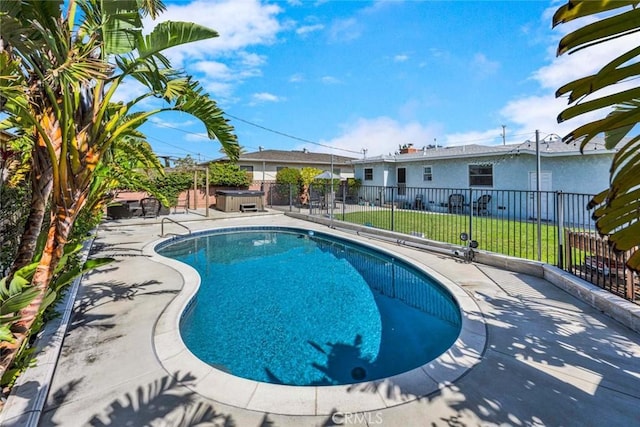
{"type": "Point", "coordinates": [175, 222]}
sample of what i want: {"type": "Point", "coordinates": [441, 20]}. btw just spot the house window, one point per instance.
{"type": "Point", "coordinates": [426, 174]}
{"type": "Point", "coordinates": [279, 168]}
{"type": "Point", "coordinates": [248, 169]}
{"type": "Point", "coordinates": [368, 174]}
{"type": "Point", "coordinates": [481, 175]}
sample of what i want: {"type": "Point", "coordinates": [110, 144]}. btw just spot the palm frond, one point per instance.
{"type": "Point", "coordinates": [170, 34]}
{"type": "Point", "coordinates": [616, 209]}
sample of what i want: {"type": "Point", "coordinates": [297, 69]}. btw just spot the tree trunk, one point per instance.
{"type": "Point", "coordinates": [59, 230]}
{"type": "Point", "coordinates": [41, 185]}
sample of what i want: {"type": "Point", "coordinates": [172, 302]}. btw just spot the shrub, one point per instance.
{"type": "Point", "coordinates": [289, 176]}
{"type": "Point", "coordinates": [228, 175]}
{"type": "Point", "coordinates": [172, 184]}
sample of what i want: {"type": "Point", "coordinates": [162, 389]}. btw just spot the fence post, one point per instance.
{"type": "Point", "coordinates": [393, 200]}
{"type": "Point", "coordinates": [344, 199]}
{"type": "Point", "coordinates": [470, 214]}
{"type": "Point", "coordinates": [560, 216]}
{"type": "Point", "coordinates": [290, 197]}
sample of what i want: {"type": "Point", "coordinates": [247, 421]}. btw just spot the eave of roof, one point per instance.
{"type": "Point", "coordinates": [554, 149]}
{"type": "Point", "coordinates": [300, 157]}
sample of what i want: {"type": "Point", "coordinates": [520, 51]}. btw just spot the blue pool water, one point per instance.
{"type": "Point", "coordinates": [293, 307]}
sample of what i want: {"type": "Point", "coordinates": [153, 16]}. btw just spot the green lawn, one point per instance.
{"type": "Point", "coordinates": [509, 237]}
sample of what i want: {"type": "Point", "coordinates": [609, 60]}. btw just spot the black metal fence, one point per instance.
{"type": "Point", "coordinates": [548, 226]}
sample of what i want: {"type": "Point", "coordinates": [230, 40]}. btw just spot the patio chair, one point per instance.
{"type": "Point", "coordinates": [150, 207]}
{"type": "Point", "coordinates": [481, 206]}
{"type": "Point", "coordinates": [419, 202]}
{"type": "Point", "coordinates": [182, 203]}
{"type": "Point", "coordinates": [118, 211]}
{"type": "Point", "coordinates": [316, 200]}
{"type": "Point", "coordinates": [456, 203]}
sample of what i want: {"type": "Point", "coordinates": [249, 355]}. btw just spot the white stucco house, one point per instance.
{"type": "Point", "coordinates": [502, 167]}
{"type": "Point", "coordinates": [477, 169]}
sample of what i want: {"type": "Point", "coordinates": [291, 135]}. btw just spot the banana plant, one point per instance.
{"type": "Point", "coordinates": [59, 71]}
{"type": "Point", "coordinates": [17, 293]}
{"type": "Point", "coordinates": [617, 208]}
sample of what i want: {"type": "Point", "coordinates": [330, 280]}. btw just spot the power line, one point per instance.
{"type": "Point", "coordinates": [277, 132]}
{"type": "Point", "coordinates": [260, 127]}
{"type": "Point", "coordinates": [286, 135]}
{"type": "Point", "coordinates": [194, 153]}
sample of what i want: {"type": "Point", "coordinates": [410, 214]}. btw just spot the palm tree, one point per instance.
{"type": "Point", "coordinates": [617, 209]}
{"type": "Point", "coordinates": [59, 71]}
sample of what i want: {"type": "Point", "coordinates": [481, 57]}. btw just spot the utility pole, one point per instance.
{"type": "Point", "coordinates": [538, 197]}
{"type": "Point", "coordinates": [504, 135]}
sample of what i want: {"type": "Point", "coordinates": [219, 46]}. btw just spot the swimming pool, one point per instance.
{"type": "Point", "coordinates": [289, 306]}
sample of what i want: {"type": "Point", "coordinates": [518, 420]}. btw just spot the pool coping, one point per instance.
{"type": "Point", "coordinates": [212, 383]}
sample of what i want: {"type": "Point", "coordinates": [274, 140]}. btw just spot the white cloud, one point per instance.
{"type": "Point", "coordinates": [582, 63]}
{"type": "Point", "coordinates": [128, 90]}
{"type": "Point", "coordinates": [296, 78]}
{"type": "Point", "coordinates": [525, 114]}
{"type": "Point", "coordinates": [241, 25]}
{"type": "Point", "coordinates": [196, 137]}
{"type": "Point", "coordinates": [264, 97]}
{"type": "Point", "coordinates": [536, 112]}
{"type": "Point", "coordinates": [487, 137]}
{"type": "Point", "coordinates": [330, 80]}
{"type": "Point", "coordinates": [306, 29]}
{"type": "Point", "coordinates": [214, 70]}
{"type": "Point", "coordinates": [381, 135]}
{"type": "Point", "coordinates": [220, 91]}
{"type": "Point", "coordinates": [171, 124]}
{"type": "Point", "coordinates": [401, 58]}
{"type": "Point", "coordinates": [238, 23]}
{"type": "Point", "coordinates": [344, 30]}
{"type": "Point", "coordinates": [251, 60]}
{"type": "Point", "coordinates": [483, 66]}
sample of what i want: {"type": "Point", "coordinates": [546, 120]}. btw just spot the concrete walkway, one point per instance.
{"type": "Point", "coordinates": [549, 358]}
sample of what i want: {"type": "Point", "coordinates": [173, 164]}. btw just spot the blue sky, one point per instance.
{"type": "Point", "coordinates": [373, 74]}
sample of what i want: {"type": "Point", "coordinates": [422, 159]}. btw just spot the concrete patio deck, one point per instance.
{"type": "Point", "coordinates": [550, 359]}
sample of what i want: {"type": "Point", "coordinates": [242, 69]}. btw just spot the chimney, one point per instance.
{"type": "Point", "coordinates": [260, 148]}
{"type": "Point", "coordinates": [408, 149]}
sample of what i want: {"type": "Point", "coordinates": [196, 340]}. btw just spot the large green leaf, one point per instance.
{"type": "Point", "coordinates": [170, 34]}
{"type": "Point", "coordinates": [5, 333]}
{"type": "Point", "coordinates": [613, 125]}
{"type": "Point", "coordinates": [596, 104]}
{"type": "Point", "coordinates": [588, 85]}
{"type": "Point", "coordinates": [122, 25]}
{"type": "Point", "coordinates": [617, 209]}
{"type": "Point", "coordinates": [599, 31]}
{"type": "Point", "coordinates": [200, 105]}
{"type": "Point", "coordinates": [18, 301]}
{"type": "Point", "coordinates": [580, 8]}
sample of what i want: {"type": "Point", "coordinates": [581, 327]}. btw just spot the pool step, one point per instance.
{"type": "Point", "coordinates": [248, 207]}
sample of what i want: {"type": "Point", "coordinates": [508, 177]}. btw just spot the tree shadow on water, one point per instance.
{"type": "Point", "coordinates": [345, 363]}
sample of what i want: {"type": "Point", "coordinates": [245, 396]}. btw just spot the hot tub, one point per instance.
{"type": "Point", "coordinates": [239, 200]}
